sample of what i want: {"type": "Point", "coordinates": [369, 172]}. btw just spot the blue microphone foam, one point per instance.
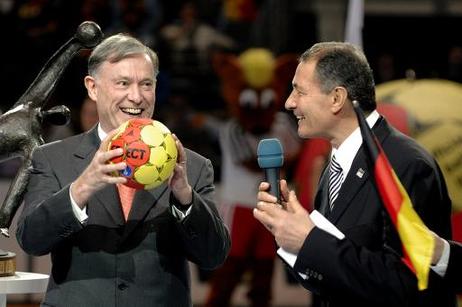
{"type": "Point", "coordinates": [270, 153]}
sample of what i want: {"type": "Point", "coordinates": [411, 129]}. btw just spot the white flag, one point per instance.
{"type": "Point", "coordinates": [354, 22]}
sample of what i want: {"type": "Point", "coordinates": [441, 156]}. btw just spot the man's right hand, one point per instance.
{"type": "Point", "coordinates": [99, 173]}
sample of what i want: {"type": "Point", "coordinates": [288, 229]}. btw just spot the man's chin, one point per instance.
{"type": "Point", "coordinates": [305, 134]}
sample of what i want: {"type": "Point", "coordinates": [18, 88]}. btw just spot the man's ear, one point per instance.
{"type": "Point", "coordinates": [339, 98]}
{"type": "Point", "coordinates": [90, 84]}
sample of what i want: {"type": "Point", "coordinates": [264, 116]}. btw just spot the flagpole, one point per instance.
{"type": "Point", "coordinates": [354, 23]}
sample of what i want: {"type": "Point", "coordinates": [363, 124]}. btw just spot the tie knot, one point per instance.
{"type": "Point", "coordinates": [334, 165]}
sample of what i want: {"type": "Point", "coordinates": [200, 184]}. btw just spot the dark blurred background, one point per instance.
{"type": "Point", "coordinates": [398, 35]}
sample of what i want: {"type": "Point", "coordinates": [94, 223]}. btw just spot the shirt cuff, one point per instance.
{"type": "Point", "coordinates": [180, 215]}
{"type": "Point", "coordinates": [80, 214]}
{"type": "Point", "coordinates": [180, 211]}
{"type": "Point", "coordinates": [441, 266]}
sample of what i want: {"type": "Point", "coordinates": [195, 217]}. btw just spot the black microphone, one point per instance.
{"type": "Point", "coordinates": [271, 158]}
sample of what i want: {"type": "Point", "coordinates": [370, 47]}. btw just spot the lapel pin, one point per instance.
{"type": "Point", "coordinates": [360, 173]}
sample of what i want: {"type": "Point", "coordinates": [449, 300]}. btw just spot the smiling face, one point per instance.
{"type": "Point", "coordinates": [123, 90]}
{"type": "Point", "coordinates": [312, 108]}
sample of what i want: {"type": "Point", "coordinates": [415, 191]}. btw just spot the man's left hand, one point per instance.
{"type": "Point", "coordinates": [289, 222]}
{"type": "Point", "coordinates": [178, 182]}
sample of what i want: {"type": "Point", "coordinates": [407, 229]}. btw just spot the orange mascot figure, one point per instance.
{"type": "Point", "coordinates": [254, 86]}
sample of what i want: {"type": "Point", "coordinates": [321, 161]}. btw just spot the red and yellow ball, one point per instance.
{"type": "Point", "coordinates": [149, 151]}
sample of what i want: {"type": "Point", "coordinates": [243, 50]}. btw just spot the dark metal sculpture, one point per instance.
{"type": "Point", "coordinates": [20, 127]}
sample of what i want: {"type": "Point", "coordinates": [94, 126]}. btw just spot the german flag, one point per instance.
{"type": "Point", "coordinates": [416, 238]}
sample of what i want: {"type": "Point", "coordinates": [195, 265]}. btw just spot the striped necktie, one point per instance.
{"type": "Point", "coordinates": [335, 181]}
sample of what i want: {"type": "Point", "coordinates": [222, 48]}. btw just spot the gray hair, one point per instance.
{"type": "Point", "coordinates": [343, 64]}
{"type": "Point", "coordinates": [116, 48]}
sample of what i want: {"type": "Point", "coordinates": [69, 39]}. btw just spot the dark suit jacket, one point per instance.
{"type": "Point", "coordinates": [107, 261]}
{"type": "Point", "coordinates": [365, 268]}
{"type": "Point", "coordinates": [454, 271]}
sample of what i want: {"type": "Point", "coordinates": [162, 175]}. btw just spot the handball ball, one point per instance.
{"type": "Point", "coordinates": [149, 151]}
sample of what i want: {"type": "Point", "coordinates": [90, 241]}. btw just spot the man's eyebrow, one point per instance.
{"type": "Point", "coordinates": [297, 87]}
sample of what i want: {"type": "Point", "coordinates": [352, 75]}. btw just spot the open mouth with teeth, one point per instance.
{"type": "Point", "coordinates": [132, 111]}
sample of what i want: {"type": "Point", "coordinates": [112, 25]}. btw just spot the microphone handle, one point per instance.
{"type": "Point", "coordinates": [272, 177]}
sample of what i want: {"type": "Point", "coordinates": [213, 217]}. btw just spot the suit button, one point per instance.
{"type": "Point", "coordinates": [192, 233]}
{"type": "Point", "coordinates": [122, 286]}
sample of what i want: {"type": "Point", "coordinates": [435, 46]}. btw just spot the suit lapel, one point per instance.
{"type": "Point", "coordinates": [85, 151]}
{"type": "Point", "coordinates": [107, 197]}
{"type": "Point", "coordinates": [322, 197]}
{"type": "Point", "coordinates": [359, 173]}
{"type": "Point", "coordinates": [142, 204]}
{"type": "Point", "coordinates": [351, 186]}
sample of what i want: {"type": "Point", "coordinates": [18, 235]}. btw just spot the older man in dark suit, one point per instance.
{"type": "Point", "coordinates": [365, 267]}
{"type": "Point", "coordinates": [103, 255]}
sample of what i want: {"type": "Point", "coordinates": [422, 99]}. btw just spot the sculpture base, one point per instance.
{"type": "Point", "coordinates": [7, 263]}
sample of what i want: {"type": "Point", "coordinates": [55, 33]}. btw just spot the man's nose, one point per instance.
{"type": "Point", "coordinates": [289, 104]}
{"type": "Point", "coordinates": [134, 94]}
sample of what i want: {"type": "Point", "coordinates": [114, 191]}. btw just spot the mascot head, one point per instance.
{"type": "Point", "coordinates": [254, 85]}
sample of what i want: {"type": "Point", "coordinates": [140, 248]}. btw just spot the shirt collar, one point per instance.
{"type": "Point", "coordinates": [101, 134]}
{"type": "Point", "coordinates": [346, 152]}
